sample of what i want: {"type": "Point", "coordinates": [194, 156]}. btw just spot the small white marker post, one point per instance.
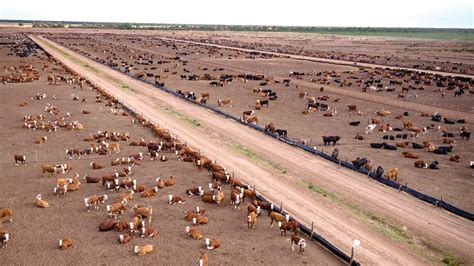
{"type": "Point", "coordinates": [354, 246]}
{"type": "Point", "coordinates": [36, 157]}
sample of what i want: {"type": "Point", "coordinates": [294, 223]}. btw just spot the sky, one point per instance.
{"type": "Point", "coordinates": [359, 13]}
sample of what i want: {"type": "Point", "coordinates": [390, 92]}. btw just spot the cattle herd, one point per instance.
{"type": "Point", "coordinates": [91, 166]}
{"type": "Point", "coordinates": [309, 102]}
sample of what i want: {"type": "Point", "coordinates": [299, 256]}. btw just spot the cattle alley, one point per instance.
{"type": "Point", "coordinates": [419, 107]}
{"type": "Point", "coordinates": [331, 222]}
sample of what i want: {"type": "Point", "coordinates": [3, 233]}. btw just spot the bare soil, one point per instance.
{"type": "Point", "coordinates": [453, 182]}
{"type": "Point", "coordinates": [214, 136]}
{"type": "Point", "coordinates": [35, 231]}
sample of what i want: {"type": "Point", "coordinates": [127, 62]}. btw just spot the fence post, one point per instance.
{"type": "Point", "coordinates": [281, 207]}
{"type": "Point", "coordinates": [312, 230]}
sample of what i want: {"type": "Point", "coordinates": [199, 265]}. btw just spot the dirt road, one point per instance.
{"type": "Point", "coordinates": [279, 171]}
{"type": "Point", "coordinates": [325, 60]}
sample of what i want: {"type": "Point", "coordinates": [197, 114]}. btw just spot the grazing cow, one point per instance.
{"type": "Point", "coordinates": [251, 220]}
{"type": "Point", "coordinates": [328, 139]}
{"type": "Point", "coordinates": [352, 107]}
{"type": "Point", "coordinates": [4, 237]}
{"type": "Point", "coordinates": [275, 216]}
{"type": "Point", "coordinates": [379, 172]}
{"type": "Point", "coordinates": [295, 239]}
{"type": "Point", "coordinates": [94, 201]}
{"type": "Point", "coordinates": [263, 102]}
{"type": "Point", "coordinates": [6, 213]}
{"type": "Point", "coordinates": [392, 174]}
{"type": "Point", "coordinates": [224, 102]}
{"type": "Point", "coordinates": [20, 158]}
{"type": "Point", "coordinates": [248, 113]}
{"type": "Point", "coordinates": [288, 226]}
{"type": "Point", "coordinates": [73, 152]}
{"type": "Point", "coordinates": [465, 135]}
{"type": "Point", "coordinates": [283, 133]}
{"type": "Point", "coordinates": [270, 127]}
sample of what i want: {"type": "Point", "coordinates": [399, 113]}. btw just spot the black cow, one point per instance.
{"type": "Point", "coordinates": [272, 96]}
{"type": "Point", "coordinates": [153, 147]}
{"type": "Point", "coordinates": [328, 139]}
{"type": "Point", "coordinates": [436, 117]}
{"type": "Point", "coordinates": [448, 148]}
{"type": "Point", "coordinates": [355, 123]}
{"type": "Point", "coordinates": [465, 135]}
{"type": "Point", "coordinates": [448, 135]}
{"type": "Point", "coordinates": [282, 133]}
{"type": "Point", "coordinates": [359, 162]}
{"type": "Point", "coordinates": [376, 145]}
{"type": "Point", "coordinates": [461, 121]}
{"type": "Point", "coordinates": [434, 165]}
{"type": "Point", "coordinates": [443, 150]}
{"type": "Point", "coordinates": [397, 129]}
{"type": "Point", "coordinates": [263, 102]}
{"type": "Point", "coordinates": [379, 171]}
{"type": "Point", "coordinates": [450, 122]}
{"type": "Point", "coordinates": [417, 146]}
{"type": "Point", "coordinates": [390, 137]}
{"type": "Point", "coordinates": [459, 92]}
{"type": "Point", "coordinates": [389, 147]}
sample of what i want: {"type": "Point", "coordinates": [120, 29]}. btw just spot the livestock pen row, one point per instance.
{"type": "Point", "coordinates": [424, 197]}
{"type": "Point", "coordinates": [303, 228]}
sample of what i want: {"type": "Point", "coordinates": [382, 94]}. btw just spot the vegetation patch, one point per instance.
{"type": "Point", "coordinates": [258, 159]}
{"type": "Point", "coordinates": [174, 113]}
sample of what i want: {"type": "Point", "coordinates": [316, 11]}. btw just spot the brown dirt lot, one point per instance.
{"type": "Point", "coordinates": [35, 231]}
{"type": "Point", "coordinates": [286, 111]}
{"type": "Point", "coordinates": [214, 135]}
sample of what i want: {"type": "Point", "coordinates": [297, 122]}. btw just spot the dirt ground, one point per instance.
{"type": "Point", "coordinates": [453, 182]}
{"type": "Point", "coordinates": [282, 172]}
{"type": "Point", "coordinates": [447, 55]}
{"type": "Point", "coordinates": [35, 231]}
